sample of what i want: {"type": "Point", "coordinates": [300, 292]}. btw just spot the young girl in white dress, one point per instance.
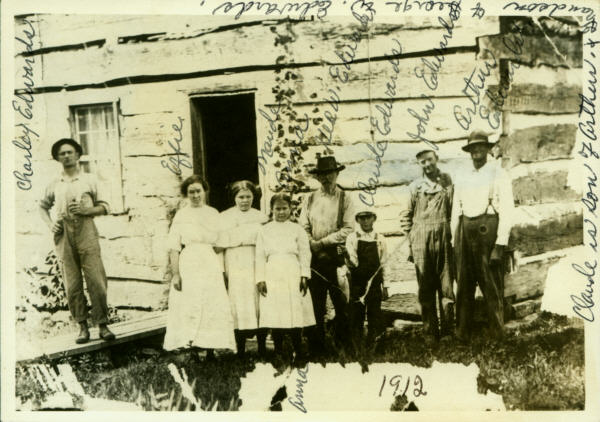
{"type": "Point", "coordinates": [199, 311]}
{"type": "Point", "coordinates": [282, 269]}
{"type": "Point", "coordinates": [241, 224]}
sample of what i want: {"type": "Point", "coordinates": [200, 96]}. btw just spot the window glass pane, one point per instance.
{"type": "Point", "coordinates": [110, 118]}
{"type": "Point", "coordinates": [82, 120]}
{"type": "Point", "coordinates": [97, 119]}
{"type": "Point", "coordinates": [95, 127]}
{"type": "Point", "coordinates": [83, 140]}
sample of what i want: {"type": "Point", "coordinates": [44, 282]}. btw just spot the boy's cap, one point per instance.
{"type": "Point", "coordinates": [364, 211]}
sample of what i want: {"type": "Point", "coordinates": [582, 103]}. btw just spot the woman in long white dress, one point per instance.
{"type": "Point", "coordinates": [282, 269]}
{"type": "Point", "coordinates": [199, 311]}
{"type": "Point", "coordinates": [241, 224]}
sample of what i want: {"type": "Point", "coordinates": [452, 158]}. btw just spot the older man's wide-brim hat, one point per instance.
{"type": "Point", "coordinates": [326, 164]}
{"type": "Point", "coordinates": [65, 141]}
{"type": "Point", "coordinates": [477, 138]}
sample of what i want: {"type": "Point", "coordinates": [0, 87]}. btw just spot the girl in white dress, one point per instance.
{"type": "Point", "coordinates": [282, 269]}
{"type": "Point", "coordinates": [199, 311]}
{"type": "Point", "coordinates": [241, 224]}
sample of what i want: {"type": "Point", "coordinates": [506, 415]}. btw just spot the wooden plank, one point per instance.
{"type": "Point", "coordinates": [539, 143]}
{"type": "Point", "coordinates": [535, 50]}
{"type": "Point", "coordinates": [65, 345]}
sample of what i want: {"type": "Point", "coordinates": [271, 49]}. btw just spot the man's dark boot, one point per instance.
{"type": "Point", "coordinates": [105, 333]}
{"type": "Point", "coordinates": [84, 333]}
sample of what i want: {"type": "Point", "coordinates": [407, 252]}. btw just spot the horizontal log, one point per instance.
{"type": "Point", "coordinates": [150, 134]}
{"type": "Point", "coordinates": [566, 26]}
{"type": "Point", "coordinates": [349, 154]}
{"type": "Point", "coordinates": [129, 28]}
{"type": "Point", "coordinates": [539, 143]}
{"type": "Point", "coordinates": [390, 173]}
{"type": "Point", "coordinates": [140, 178]}
{"type": "Point", "coordinates": [353, 122]}
{"type": "Point", "coordinates": [535, 98]}
{"type": "Point", "coordinates": [554, 233]}
{"type": "Point", "coordinates": [535, 50]}
{"type": "Point", "coordinates": [371, 79]}
{"type": "Point", "coordinates": [543, 187]}
{"type": "Point", "coordinates": [131, 258]}
{"type": "Point", "coordinates": [519, 121]}
{"type": "Point", "coordinates": [129, 294]}
{"type": "Point", "coordinates": [59, 30]}
{"type": "Point", "coordinates": [547, 76]}
{"type": "Point", "coordinates": [32, 249]}
{"type": "Point", "coordinates": [527, 282]}
{"type": "Point", "coordinates": [315, 43]}
{"type": "Point", "coordinates": [401, 306]}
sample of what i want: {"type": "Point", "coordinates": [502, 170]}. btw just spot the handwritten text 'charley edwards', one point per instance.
{"type": "Point", "coordinates": [23, 105]}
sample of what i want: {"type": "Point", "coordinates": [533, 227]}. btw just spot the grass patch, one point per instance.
{"type": "Point", "coordinates": [539, 366]}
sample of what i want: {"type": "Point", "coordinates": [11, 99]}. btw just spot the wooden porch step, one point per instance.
{"type": "Point", "coordinates": [64, 345]}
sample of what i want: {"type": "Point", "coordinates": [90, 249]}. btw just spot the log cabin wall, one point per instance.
{"type": "Point", "coordinates": [151, 66]}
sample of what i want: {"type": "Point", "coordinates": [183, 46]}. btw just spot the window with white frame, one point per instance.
{"type": "Point", "coordinates": [96, 128]}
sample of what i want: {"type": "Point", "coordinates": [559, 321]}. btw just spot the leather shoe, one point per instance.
{"type": "Point", "coordinates": [83, 337]}
{"type": "Point", "coordinates": [106, 334]}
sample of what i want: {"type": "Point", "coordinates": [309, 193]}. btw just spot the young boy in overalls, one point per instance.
{"type": "Point", "coordinates": [366, 251]}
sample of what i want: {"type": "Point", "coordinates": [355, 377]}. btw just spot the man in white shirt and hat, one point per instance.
{"type": "Point", "coordinates": [482, 210]}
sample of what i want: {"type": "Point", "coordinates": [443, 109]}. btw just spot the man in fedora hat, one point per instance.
{"type": "Point", "coordinates": [327, 215]}
{"type": "Point", "coordinates": [481, 221]}
{"type": "Point", "coordinates": [426, 222]}
{"type": "Point", "coordinates": [76, 200]}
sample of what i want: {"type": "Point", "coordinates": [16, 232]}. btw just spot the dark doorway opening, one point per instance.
{"type": "Point", "coordinates": [224, 143]}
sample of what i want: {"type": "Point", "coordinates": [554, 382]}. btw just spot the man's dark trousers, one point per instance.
{"type": "Point", "coordinates": [325, 264]}
{"type": "Point", "coordinates": [475, 239]}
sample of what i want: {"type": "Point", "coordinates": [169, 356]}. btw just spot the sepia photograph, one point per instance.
{"type": "Point", "coordinates": [300, 207]}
